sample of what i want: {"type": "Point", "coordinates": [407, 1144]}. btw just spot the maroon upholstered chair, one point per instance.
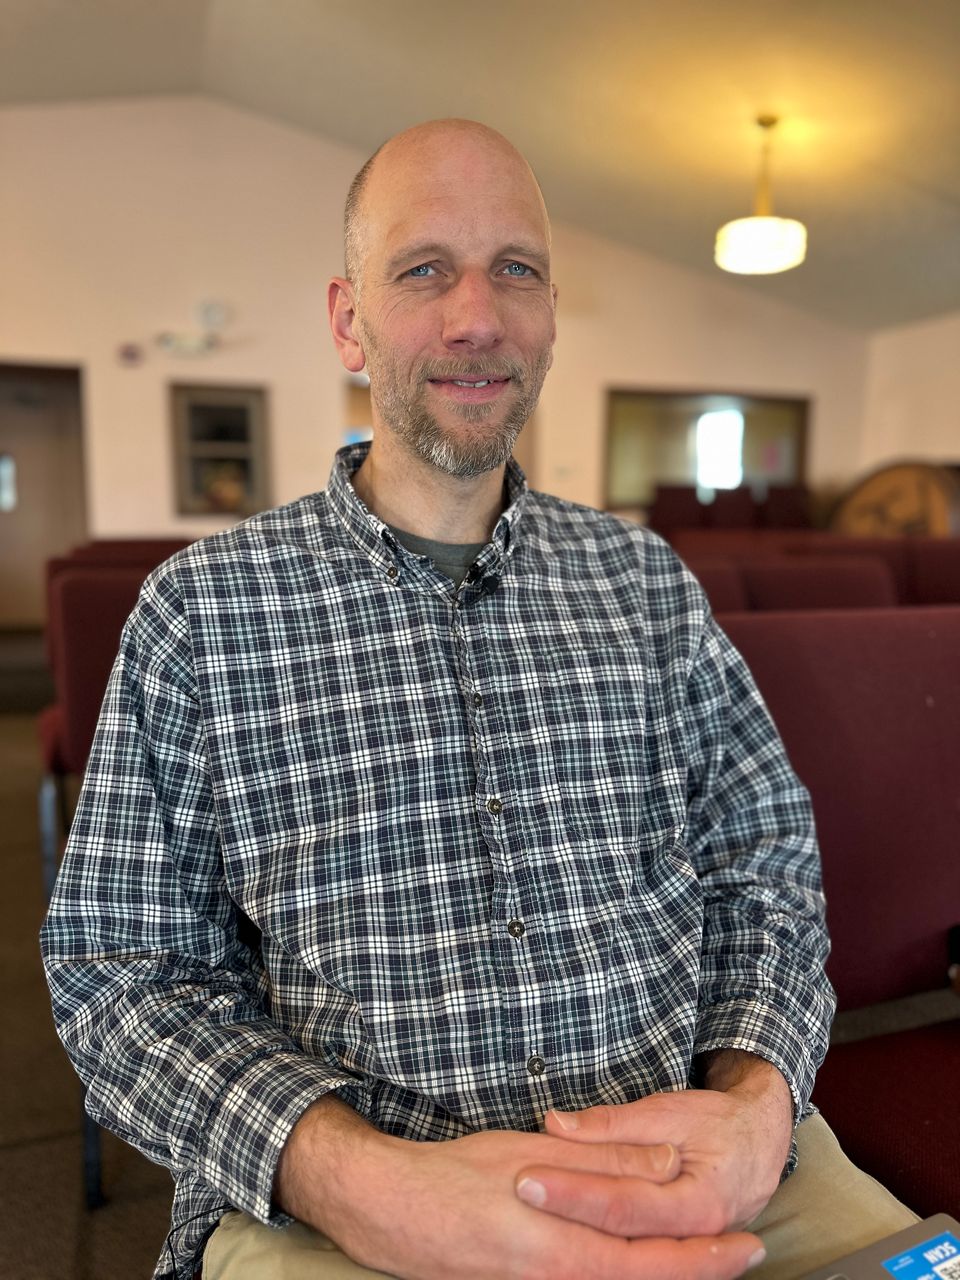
{"type": "Point", "coordinates": [117, 553]}
{"type": "Point", "coordinates": [146, 551]}
{"type": "Point", "coordinates": [936, 570]}
{"type": "Point", "coordinates": [675, 506]}
{"type": "Point", "coordinates": [722, 582]}
{"type": "Point", "coordinates": [733, 509]}
{"type": "Point", "coordinates": [893, 552]}
{"type": "Point", "coordinates": [818, 582]}
{"type": "Point", "coordinates": [868, 703]}
{"type": "Point", "coordinates": [66, 731]}
{"type": "Point", "coordinates": [88, 607]}
{"type": "Point", "coordinates": [737, 544]}
{"type": "Point", "coordinates": [786, 506]}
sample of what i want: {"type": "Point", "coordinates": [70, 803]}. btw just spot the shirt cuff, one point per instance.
{"type": "Point", "coordinates": [761, 1029]}
{"type": "Point", "coordinates": [251, 1121]}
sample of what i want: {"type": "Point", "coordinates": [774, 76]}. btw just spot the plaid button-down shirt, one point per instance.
{"type": "Point", "coordinates": [461, 856]}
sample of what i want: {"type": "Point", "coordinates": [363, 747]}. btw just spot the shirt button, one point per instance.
{"type": "Point", "coordinates": [392, 572]}
{"type": "Point", "coordinates": [494, 805]}
{"type": "Point", "coordinates": [516, 928]}
{"type": "Point", "coordinates": [478, 699]}
{"type": "Point", "coordinates": [536, 1065]}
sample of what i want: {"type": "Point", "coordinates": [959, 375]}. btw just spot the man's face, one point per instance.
{"type": "Point", "coordinates": [456, 312]}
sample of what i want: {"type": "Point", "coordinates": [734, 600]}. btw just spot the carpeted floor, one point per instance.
{"type": "Point", "coordinates": [47, 1233]}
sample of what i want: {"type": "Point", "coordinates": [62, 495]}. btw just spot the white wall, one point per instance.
{"type": "Point", "coordinates": [119, 217]}
{"type": "Point", "coordinates": [629, 320]}
{"type": "Point", "coordinates": [913, 393]}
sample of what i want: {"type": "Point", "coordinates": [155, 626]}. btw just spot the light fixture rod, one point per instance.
{"type": "Point", "coordinates": [761, 244]}
{"type": "Point", "coordinates": [763, 204]}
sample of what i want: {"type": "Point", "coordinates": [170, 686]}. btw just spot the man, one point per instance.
{"type": "Point", "coordinates": [435, 842]}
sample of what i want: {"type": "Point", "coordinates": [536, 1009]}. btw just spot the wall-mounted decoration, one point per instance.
{"type": "Point", "coordinates": [130, 354]}
{"type": "Point", "coordinates": [213, 316]}
{"type": "Point", "coordinates": [220, 449]}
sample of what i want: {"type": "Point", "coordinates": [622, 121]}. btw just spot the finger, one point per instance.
{"type": "Point", "coordinates": [632, 1122]}
{"type": "Point", "coordinates": [658, 1163]}
{"type": "Point", "coordinates": [697, 1258]}
{"type": "Point", "coordinates": [722, 1258]}
{"type": "Point", "coordinates": [623, 1205]}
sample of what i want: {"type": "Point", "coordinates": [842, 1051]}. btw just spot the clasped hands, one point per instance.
{"type": "Point", "coordinates": [694, 1169]}
{"type": "Point", "coordinates": [656, 1189]}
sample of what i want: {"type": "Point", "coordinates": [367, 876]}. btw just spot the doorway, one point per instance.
{"type": "Point", "coordinates": [42, 502]}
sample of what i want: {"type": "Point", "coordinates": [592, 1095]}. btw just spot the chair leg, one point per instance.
{"type": "Point", "coordinates": [64, 804]}
{"type": "Point", "coordinates": [54, 810]}
{"type": "Point", "coordinates": [54, 825]}
{"type": "Point", "coordinates": [50, 804]}
{"type": "Point", "coordinates": [92, 1163]}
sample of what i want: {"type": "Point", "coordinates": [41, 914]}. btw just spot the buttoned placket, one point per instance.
{"type": "Point", "coordinates": [499, 821]}
{"type": "Point", "coordinates": [510, 936]}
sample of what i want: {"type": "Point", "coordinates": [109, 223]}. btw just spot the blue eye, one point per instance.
{"type": "Point", "coordinates": [518, 270]}
{"type": "Point", "coordinates": [420, 273]}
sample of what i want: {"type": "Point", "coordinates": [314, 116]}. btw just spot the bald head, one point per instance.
{"type": "Point", "coordinates": [426, 157]}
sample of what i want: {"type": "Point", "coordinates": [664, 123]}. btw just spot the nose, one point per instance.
{"type": "Point", "coordinates": [472, 318]}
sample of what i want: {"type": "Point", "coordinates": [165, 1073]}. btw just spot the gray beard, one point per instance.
{"type": "Point", "coordinates": [476, 453]}
{"type": "Point", "coordinates": [457, 456]}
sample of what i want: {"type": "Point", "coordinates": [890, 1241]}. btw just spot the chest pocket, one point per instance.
{"type": "Point", "coordinates": [613, 762]}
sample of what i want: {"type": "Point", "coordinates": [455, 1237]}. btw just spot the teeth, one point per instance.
{"type": "Point", "coordinates": [458, 383]}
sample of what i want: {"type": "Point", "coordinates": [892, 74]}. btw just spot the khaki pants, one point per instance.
{"type": "Point", "coordinates": [826, 1209]}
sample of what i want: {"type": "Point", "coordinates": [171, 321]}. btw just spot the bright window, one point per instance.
{"type": "Point", "coordinates": [719, 443]}
{"type": "Point", "coordinates": [8, 483]}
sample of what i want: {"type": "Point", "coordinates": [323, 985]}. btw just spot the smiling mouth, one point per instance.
{"type": "Point", "coordinates": [470, 391]}
{"type": "Point", "coordinates": [462, 382]}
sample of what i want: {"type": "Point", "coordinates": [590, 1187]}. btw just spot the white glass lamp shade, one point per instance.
{"type": "Point", "coordinates": [760, 246]}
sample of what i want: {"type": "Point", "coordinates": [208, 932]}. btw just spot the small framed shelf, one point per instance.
{"type": "Point", "coordinates": [219, 449]}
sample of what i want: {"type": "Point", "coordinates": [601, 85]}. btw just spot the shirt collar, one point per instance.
{"type": "Point", "coordinates": [375, 540]}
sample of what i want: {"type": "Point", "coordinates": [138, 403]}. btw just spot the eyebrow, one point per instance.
{"type": "Point", "coordinates": [536, 256]}
{"type": "Point", "coordinates": [422, 251]}
{"type": "Point", "coordinates": [418, 252]}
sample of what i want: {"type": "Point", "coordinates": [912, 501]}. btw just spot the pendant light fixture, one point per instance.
{"type": "Point", "coordinates": [763, 244]}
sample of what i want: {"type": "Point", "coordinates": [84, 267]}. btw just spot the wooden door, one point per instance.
{"type": "Point", "coordinates": [42, 509]}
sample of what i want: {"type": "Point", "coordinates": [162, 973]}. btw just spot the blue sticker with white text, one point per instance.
{"type": "Point", "coordinates": [935, 1259]}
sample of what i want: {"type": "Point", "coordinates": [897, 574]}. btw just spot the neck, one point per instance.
{"type": "Point", "coordinates": [410, 494]}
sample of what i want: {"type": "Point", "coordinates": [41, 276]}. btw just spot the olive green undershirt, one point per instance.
{"type": "Point", "coordinates": [450, 558]}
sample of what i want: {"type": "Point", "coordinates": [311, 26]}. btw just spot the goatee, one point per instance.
{"type": "Point", "coordinates": [470, 453]}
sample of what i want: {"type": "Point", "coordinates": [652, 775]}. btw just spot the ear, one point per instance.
{"type": "Point", "coordinates": [553, 337]}
{"type": "Point", "coordinates": [341, 307]}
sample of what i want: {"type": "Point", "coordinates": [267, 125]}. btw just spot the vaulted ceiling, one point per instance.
{"type": "Point", "coordinates": [636, 114]}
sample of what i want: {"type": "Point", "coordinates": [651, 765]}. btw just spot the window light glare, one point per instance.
{"type": "Point", "coordinates": [8, 483]}
{"type": "Point", "coordinates": [720, 449]}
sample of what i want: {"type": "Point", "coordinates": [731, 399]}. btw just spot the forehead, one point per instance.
{"type": "Point", "coordinates": [463, 192]}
